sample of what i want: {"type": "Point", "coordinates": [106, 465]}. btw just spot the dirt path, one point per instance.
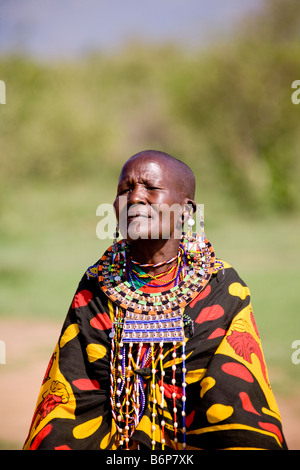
{"type": "Point", "coordinates": [29, 346]}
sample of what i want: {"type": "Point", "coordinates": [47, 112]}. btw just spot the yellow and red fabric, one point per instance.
{"type": "Point", "coordinates": [230, 403]}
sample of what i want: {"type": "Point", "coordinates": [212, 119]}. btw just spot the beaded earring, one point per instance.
{"type": "Point", "coordinates": [115, 241]}
{"type": "Point", "coordinates": [189, 234]}
{"type": "Point", "coordinates": [202, 233]}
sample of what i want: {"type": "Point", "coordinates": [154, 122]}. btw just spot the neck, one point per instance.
{"type": "Point", "coordinates": [154, 252]}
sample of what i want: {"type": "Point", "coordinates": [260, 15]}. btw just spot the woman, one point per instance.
{"type": "Point", "coordinates": [159, 349]}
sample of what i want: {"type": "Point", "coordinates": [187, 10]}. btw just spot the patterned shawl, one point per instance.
{"type": "Point", "coordinates": [229, 401]}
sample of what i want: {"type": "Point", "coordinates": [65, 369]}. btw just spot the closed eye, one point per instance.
{"type": "Point", "coordinates": [122, 190]}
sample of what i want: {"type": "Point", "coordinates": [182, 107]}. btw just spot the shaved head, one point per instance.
{"type": "Point", "coordinates": [155, 192]}
{"type": "Point", "coordinates": [182, 175]}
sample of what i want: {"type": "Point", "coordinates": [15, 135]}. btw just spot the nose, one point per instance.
{"type": "Point", "coordinates": [136, 195]}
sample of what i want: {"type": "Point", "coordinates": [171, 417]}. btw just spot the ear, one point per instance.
{"type": "Point", "coordinates": [188, 209]}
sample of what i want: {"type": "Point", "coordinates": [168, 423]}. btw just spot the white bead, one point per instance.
{"type": "Point", "coordinates": [175, 425]}
{"type": "Point", "coordinates": [153, 428]}
{"type": "Point", "coordinates": [163, 423]}
{"type": "Point", "coordinates": [191, 222]}
{"type": "Point", "coordinates": [173, 367]}
{"type": "Point", "coordinates": [174, 395]}
{"type": "Point", "coordinates": [163, 373]}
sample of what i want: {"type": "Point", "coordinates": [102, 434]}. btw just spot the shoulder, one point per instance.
{"type": "Point", "coordinates": [225, 269]}
{"type": "Point", "coordinates": [88, 285]}
{"type": "Point", "coordinates": [228, 276]}
{"type": "Point", "coordinates": [92, 271]}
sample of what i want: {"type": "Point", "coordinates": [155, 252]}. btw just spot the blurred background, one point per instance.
{"type": "Point", "coordinates": [90, 83]}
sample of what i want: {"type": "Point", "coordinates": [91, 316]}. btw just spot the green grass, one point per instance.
{"type": "Point", "coordinates": [266, 254]}
{"type": "Point", "coordinates": [9, 446]}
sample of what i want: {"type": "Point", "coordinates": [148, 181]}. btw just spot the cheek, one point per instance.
{"type": "Point", "coordinates": [120, 205]}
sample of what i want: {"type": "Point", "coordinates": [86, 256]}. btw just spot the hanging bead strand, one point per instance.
{"type": "Point", "coordinates": [127, 396]}
{"type": "Point", "coordinates": [153, 426]}
{"type": "Point", "coordinates": [174, 395]}
{"type": "Point", "coordinates": [137, 386]}
{"type": "Point", "coordinates": [183, 394]}
{"type": "Point", "coordinates": [162, 390]}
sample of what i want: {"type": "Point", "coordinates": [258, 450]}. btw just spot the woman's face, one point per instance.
{"type": "Point", "coordinates": [149, 203]}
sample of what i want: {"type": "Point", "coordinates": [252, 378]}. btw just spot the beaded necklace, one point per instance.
{"type": "Point", "coordinates": [144, 323]}
{"type": "Point", "coordinates": [134, 275]}
{"type": "Point", "coordinates": [154, 265]}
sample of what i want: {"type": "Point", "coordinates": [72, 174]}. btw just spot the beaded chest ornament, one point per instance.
{"type": "Point", "coordinates": [143, 324]}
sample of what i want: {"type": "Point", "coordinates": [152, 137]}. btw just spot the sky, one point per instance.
{"type": "Point", "coordinates": [60, 29]}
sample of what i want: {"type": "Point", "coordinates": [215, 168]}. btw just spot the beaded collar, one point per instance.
{"type": "Point", "coordinates": [113, 281]}
{"type": "Point", "coordinates": [149, 320]}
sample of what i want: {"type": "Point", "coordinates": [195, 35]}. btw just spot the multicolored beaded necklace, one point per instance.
{"type": "Point", "coordinates": [143, 323]}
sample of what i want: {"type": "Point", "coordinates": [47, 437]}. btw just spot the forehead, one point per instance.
{"type": "Point", "coordinates": [144, 168]}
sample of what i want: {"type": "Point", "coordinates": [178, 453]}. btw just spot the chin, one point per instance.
{"type": "Point", "coordinates": [137, 230]}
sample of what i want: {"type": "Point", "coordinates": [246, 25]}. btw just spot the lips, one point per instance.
{"type": "Point", "coordinates": [135, 213]}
